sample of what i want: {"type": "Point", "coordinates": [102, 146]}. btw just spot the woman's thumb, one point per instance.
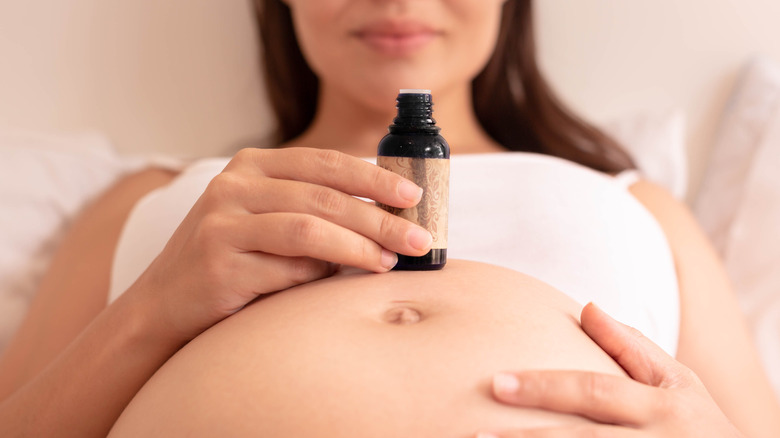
{"type": "Point", "coordinates": [642, 359]}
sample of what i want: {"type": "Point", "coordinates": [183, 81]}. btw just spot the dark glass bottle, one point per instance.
{"type": "Point", "coordinates": [414, 149]}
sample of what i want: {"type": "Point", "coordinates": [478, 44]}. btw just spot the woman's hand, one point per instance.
{"type": "Point", "coordinates": [665, 399]}
{"type": "Point", "coordinates": [274, 219]}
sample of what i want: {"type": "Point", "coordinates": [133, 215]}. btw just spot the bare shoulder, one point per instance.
{"type": "Point", "coordinates": [93, 234]}
{"type": "Point", "coordinates": [138, 184]}
{"type": "Point", "coordinates": [86, 252]}
{"type": "Point", "coordinates": [105, 216]}
{"type": "Point", "coordinates": [651, 194]}
{"type": "Point", "coordinates": [674, 216]}
{"type": "Point", "coordinates": [75, 287]}
{"type": "Point", "coordinates": [714, 340]}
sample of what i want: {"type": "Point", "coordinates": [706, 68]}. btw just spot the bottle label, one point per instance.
{"type": "Point", "coordinates": [433, 175]}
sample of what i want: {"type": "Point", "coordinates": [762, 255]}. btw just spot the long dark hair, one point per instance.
{"type": "Point", "coordinates": [512, 100]}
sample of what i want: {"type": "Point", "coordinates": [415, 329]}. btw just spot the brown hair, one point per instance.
{"type": "Point", "coordinates": [511, 98]}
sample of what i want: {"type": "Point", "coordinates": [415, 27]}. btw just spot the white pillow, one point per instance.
{"type": "Point", "coordinates": [656, 141]}
{"type": "Point", "coordinates": [751, 108]}
{"type": "Point", "coordinates": [739, 203]}
{"type": "Point", "coordinates": [44, 181]}
{"type": "Point", "coordinates": [753, 249]}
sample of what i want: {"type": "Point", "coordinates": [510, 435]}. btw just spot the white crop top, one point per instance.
{"type": "Point", "coordinates": [577, 229]}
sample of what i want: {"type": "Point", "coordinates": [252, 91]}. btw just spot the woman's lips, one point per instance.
{"type": "Point", "coordinates": [396, 38]}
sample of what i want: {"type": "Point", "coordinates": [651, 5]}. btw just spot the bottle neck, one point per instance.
{"type": "Point", "coordinates": [415, 115]}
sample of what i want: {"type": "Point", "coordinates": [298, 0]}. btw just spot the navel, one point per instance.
{"type": "Point", "coordinates": [402, 315]}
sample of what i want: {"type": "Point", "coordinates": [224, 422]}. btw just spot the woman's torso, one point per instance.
{"type": "Point", "coordinates": [576, 229]}
{"type": "Point", "coordinates": [403, 354]}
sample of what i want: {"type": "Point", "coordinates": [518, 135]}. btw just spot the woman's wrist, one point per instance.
{"type": "Point", "coordinates": [87, 387]}
{"type": "Point", "coordinates": [147, 321]}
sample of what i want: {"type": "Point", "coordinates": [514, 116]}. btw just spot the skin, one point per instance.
{"type": "Point", "coordinates": [314, 360]}
{"type": "Point", "coordinates": [662, 388]}
{"type": "Point", "coordinates": [75, 376]}
{"type": "Point", "coordinates": [85, 388]}
{"type": "Point", "coordinates": [72, 293]}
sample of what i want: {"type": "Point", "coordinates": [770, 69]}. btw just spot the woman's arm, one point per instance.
{"type": "Point", "coordinates": [75, 287]}
{"type": "Point", "coordinates": [83, 392]}
{"type": "Point", "coordinates": [714, 339]}
{"type": "Point", "coordinates": [271, 220]}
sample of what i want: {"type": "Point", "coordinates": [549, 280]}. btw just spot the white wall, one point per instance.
{"type": "Point", "coordinates": [609, 57]}
{"type": "Point", "coordinates": [181, 75]}
{"type": "Point", "coordinates": [155, 75]}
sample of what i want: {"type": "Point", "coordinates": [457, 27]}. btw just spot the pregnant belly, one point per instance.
{"type": "Point", "coordinates": [402, 354]}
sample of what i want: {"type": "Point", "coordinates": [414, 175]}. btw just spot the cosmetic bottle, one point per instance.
{"type": "Point", "coordinates": [414, 149]}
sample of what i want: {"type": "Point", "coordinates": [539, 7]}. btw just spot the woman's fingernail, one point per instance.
{"type": "Point", "coordinates": [389, 259]}
{"type": "Point", "coordinates": [505, 384]}
{"type": "Point", "coordinates": [419, 238]}
{"type": "Point", "coordinates": [486, 435]}
{"type": "Point", "coordinates": [409, 191]}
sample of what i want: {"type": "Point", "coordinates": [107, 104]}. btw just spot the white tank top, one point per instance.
{"type": "Point", "coordinates": [579, 230]}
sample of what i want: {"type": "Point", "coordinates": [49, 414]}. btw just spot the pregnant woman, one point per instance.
{"type": "Point", "coordinates": [251, 296]}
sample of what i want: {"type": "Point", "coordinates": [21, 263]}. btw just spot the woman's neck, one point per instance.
{"type": "Point", "coordinates": [353, 127]}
